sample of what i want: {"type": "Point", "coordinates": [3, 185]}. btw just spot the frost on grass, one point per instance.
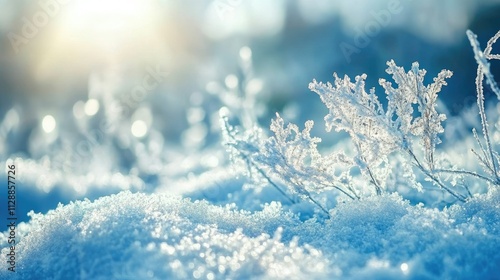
{"type": "Point", "coordinates": [291, 156]}
{"type": "Point", "coordinates": [400, 139]}
{"type": "Point", "coordinates": [489, 158]}
{"type": "Point", "coordinates": [377, 132]}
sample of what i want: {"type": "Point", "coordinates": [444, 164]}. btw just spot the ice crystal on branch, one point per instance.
{"type": "Point", "coordinates": [294, 156]}
{"type": "Point", "coordinates": [376, 132]}
{"type": "Point", "coordinates": [410, 91]}
{"type": "Point", "coordinates": [406, 130]}
{"type": "Point", "coordinates": [360, 114]}
{"type": "Point", "coordinates": [290, 157]}
{"type": "Point", "coordinates": [490, 159]}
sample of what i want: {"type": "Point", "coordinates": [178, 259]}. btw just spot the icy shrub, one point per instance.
{"type": "Point", "coordinates": [376, 132]}
{"type": "Point", "coordinates": [408, 128]}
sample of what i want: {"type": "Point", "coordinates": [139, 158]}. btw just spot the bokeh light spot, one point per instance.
{"type": "Point", "coordinates": [48, 123]}
{"type": "Point", "coordinates": [231, 81]}
{"type": "Point", "coordinates": [139, 128]}
{"type": "Point", "coordinates": [404, 268]}
{"type": "Point", "coordinates": [79, 109]}
{"type": "Point", "coordinates": [245, 53]}
{"type": "Point", "coordinates": [91, 107]}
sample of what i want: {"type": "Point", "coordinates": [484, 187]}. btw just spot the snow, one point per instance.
{"type": "Point", "coordinates": [160, 236]}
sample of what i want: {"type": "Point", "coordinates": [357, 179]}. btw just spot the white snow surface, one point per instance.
{"type": "Point", "coordinates": [160, 236]}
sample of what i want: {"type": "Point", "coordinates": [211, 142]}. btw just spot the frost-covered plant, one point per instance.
{"type": "Point", "coordinates": [292, 156]}
{"type": "Point", "coordinates": [409, 126]}
{"type": "Point", "coordinates": [375, 132]}
{"type": "Point", "coordinates": [490, 159]}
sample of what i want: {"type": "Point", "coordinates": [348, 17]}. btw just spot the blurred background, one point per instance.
{"type": "Point", "coordinates": [98, 96]}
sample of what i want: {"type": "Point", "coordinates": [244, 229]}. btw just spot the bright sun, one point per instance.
{"type": "Point", "coordinates": [106, 16]}
{"type": "Point", "coordinates": [107, 22]}
{"type": "Point", "coordinates": [94, 32]}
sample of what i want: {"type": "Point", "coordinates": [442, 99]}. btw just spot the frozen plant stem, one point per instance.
{"type": "Point", "coordinates": [263, 174]}
{"type": "Point", "coordinates": [483, 70]}
{"type": "Point", "coordinates": [252, 165]}
{"type": "Point", "coordinates": [353, 197]}
{"type": "Point", "coordinates": [374, 181]}
{"type": "Point", "coordinates": [464, 172]}
{"type": "Point", "coordinates": [429, 173]}
{"type": "Point", "coordinates": [270, 181]}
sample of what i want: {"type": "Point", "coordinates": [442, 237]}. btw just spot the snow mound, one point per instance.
{"type": "Point", "coordinates": [138, 236]}
{"type": "Point", "coordinates": [159, 236]}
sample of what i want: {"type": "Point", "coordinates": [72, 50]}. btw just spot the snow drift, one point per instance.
{"type": "Point", "coordinates": [139, 236]}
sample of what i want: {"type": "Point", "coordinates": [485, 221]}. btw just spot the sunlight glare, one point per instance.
{"type": "Point", "coordinates": [91, 34]}
{"type": "Point", "coordinates": [104, 15]}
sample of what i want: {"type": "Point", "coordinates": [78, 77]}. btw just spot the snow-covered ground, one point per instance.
{"type": "Point", "coordinates": [148, 147]}
{"type": "Point", "coordinates": [160, 236]}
